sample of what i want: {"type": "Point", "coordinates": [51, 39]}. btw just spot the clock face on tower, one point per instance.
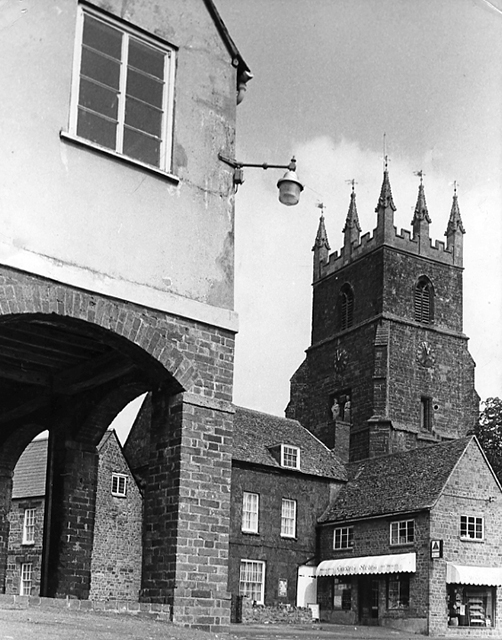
{"type": "Point", "coordinates": [425, 356]}
{"type": "Point", "coordinates": [340, 360]}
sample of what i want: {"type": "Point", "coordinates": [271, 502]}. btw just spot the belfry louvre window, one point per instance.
{"type": "Point", "coordinates": [122, 91]}
{"type": "Point", "coordinates": [423, 301]}
{"type": "Point", "coordinates": [346, 307]}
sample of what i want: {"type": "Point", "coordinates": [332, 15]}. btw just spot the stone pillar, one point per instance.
{"type": "Point", "coordinates": [187, 509]}
{"type": "Point", "coordinates": [70, 509]}
{"type": "Point", "coordinates": [5, 504]}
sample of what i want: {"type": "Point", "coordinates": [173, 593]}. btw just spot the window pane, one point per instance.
{"type": "Point", "coordinates": [146, 58]}
{"type": "Point", "coordinates": [97, 98]}
{"type": "Point", "coordinates": [97, 129]}
{"type": "Point", "coordinates": [99, 68]}
{"type": "Point", "coordinates": [142, 147]}
{"type": "Point", "coordinates": [145, 88]}
{"type": "Point", "coordinates": [102, 37]}
{"type": "Point", "coordinates": [142, 117]}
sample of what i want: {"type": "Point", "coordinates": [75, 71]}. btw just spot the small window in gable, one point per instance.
{"type": "Point", "coordinates": [119, 485]}
{"type": "Point", "coordinates": [122, 98]}
{"type": "Point", "coordinates": [426, 413]}
{"type": "Point", "coordinates": [423, 301]}
{"type": "Point", "coordinates": [346, 303]}
{"type": "Point", "coordinates": [471, 527]}
{"type": "Point", "coordinates": [290, 456]}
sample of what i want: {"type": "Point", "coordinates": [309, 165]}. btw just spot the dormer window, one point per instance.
{"type": "Point", "coordinates": [423, 301]}
{"type": "Point", "coordinates": [290, 456]}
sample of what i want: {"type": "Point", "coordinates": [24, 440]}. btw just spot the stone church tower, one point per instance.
{"type": "Point", "coordinates": [388, 367]}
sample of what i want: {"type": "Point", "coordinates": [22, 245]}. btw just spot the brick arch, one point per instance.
{"type": "Point", "coordinates": [149, 330]}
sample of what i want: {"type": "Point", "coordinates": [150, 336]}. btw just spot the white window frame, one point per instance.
{"type": "Point", "coordinates": [288, 518]}
{"type": "Point", "coordinates": [26, 579]}
{"type": "Point", "coordinates": [252, 580]}
{"type": "Point", "coordinates": [290, 456]}
{"type": "Point", "coordinates": [166, 146]}
{"type": "Point", "coordinates": [343, 538]}
{"type": "Point", "coordinates": [396, 529]}
{"type": "Point", "coordinates": [472, 522]}
{"type": "Point", "coordinates": [29, 526]}
{"type": "Point", "coordinates": [250, 512]}
{"type": "Point", "coordinates": [119, 479]}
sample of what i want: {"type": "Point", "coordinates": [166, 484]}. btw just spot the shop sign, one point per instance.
{"type": "Point", "coordinates": [436, 548]}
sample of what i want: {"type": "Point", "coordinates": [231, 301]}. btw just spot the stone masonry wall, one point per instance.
{"type": "Point", "coordinates": [472, 490]}
{"type": "Point", "coordinates": [373, 538]}
{"type": "Point", "coordinates": [282, 556]}
{"type": "Point", "coordinates": [117, 548]}
{"type": "Point", "coordinates": [20, 553]}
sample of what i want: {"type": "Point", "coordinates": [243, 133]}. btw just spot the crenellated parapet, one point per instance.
{"type": "Point", "coordinates": [415, 241]}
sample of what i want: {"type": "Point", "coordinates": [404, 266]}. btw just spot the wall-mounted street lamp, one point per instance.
{"type": "Point", "coordinates": [289, 186]}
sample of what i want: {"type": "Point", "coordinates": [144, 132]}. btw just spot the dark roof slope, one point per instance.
{"type": "Point", "coordinates": [397, 483]}
{"type": "Point", "coordinates": [29, 473]}
{"type": "Point", "coordinates": [254, 432]}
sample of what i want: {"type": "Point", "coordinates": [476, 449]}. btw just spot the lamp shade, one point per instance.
{"type": "Point", "coordinates": [289, 189]}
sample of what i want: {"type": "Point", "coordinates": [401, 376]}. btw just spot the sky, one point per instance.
{"type": "Point", "coordinates": [331, 77]}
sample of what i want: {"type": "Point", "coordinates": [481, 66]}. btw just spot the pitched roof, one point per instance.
{"type": "Point", "coordinates": [29, 473]}
{"type": "Point", "coordinates": [397, 483]}
{"type": "Point", "coordinates": [256, 432]}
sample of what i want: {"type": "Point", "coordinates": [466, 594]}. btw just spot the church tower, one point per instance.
{"type": "Point", "coordinates": [388, 368]}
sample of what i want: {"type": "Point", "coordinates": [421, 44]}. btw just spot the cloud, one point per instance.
{"type": "Point", "coordinates": [274, 259]}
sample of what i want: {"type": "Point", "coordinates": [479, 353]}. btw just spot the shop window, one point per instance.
{"type": "Point", "coordinates": [341, 406]}
{"type": "Point", "coordinates": [346, 304]}
{"type": "Point", "coordinates": [288, 518]}
{"type": "Point", "coordinates": [252, 580]}
{"type": "Point", "coordinates": [119, 485]}
{"type": "Point", "coordinates": [471, 527]}
{"type": "Point", "coordinates": [122, 98]}
{"type": "Point", "coordinates": [342, 594]}
{"type": "Point", "coordinates": [26, 579]}
{"type": "Point", "coordinates": [290, 456]}
{"type": "Point", "coordinates": [343, 538]}
{"type": "Point", "coordinates": [470, 606]}
{"type": "Point", "coordinates": [398, 591]}
{"type": "Point", "coordinates": [423, 301]}
{"type": "Point", "coordinates": [250, 507]}
{"type": "Point", "coordinates": [402, 532]}
{"type": "Point", "coordinates": [29, 526]}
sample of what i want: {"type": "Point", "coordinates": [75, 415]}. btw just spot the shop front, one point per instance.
{"type": "Point", "coordinates": [368, 590]}
{"type": "Point", "coordinates": [472, 595]}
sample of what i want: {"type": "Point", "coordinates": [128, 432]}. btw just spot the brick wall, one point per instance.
{"type": "Point", "coordinates": [117, 548]}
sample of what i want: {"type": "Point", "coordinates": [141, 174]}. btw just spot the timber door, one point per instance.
{"type": "Point", "coordinates": [368, 600]}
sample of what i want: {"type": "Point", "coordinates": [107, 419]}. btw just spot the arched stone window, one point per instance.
{"type": "Point", "coordinates": [423, 301]}
{"type": "Point", "coordinates": [346, 307]}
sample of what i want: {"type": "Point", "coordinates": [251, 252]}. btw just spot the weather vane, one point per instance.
{"type": "Point", "coordinates": [352, 182]}
{"type": "Point", "coordinates": [320, 205]}
{"type": "Point", "coordinates": [420, 174]}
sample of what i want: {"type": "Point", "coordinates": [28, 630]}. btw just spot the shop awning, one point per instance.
{"type": "Point", "coordinates": [464, 574]}
{"type": "Point", "coordinates": [395, 563]}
